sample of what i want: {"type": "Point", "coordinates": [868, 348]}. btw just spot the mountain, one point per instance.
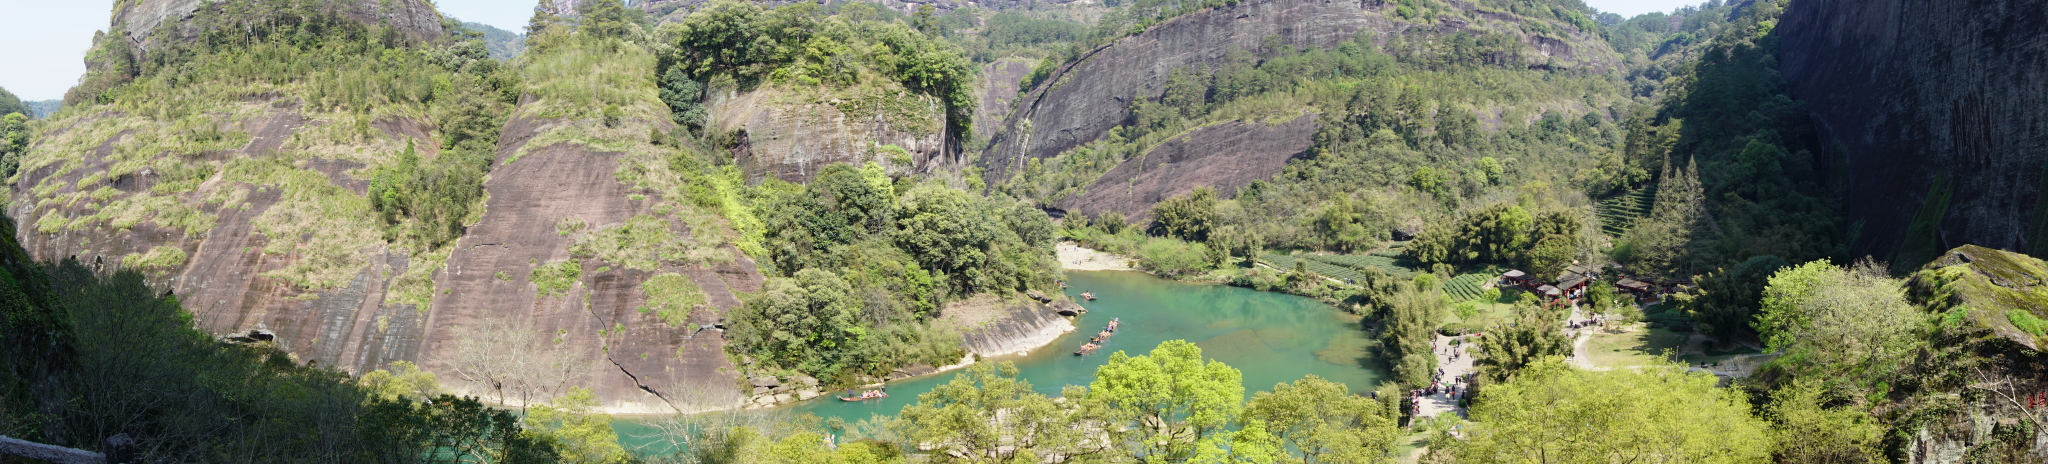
{"type": "Point", "coordinates": [1935, 108]}
{"type": "Point", "coordinates": [1228, 94]}
{"type": "Point", "coordinates": [504, 45]}
{"type": "Point", "coordinates": [358, 195]}
{"type": "Point", "coordinates": [45, 108]}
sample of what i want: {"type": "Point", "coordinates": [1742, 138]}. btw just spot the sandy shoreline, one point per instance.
{"type": "Point", "coordinates": [1074, 257]}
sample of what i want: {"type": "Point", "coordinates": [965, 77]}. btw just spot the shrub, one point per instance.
{"type": "Point", "coordinates": [1174, 257]}
{"type": "Point", "coordinates": [556, 278]}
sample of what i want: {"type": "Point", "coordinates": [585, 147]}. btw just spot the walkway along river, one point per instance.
{"type": "Point", "coordinates": [1270, 337]}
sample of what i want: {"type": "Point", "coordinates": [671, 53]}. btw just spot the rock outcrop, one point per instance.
{"type": "Point", "coordinates": [1087, 97]}
{"type": "Point", "coordinates": [1182, 164]}
{"type": "Point", "coordinates": [1908, 94]}
{"type": "Point", "coordinates": [790, 134]}
{"type": "Point", "coordinates": [1992, 291]}
{"type": "Point", "coordinates": [637, 361]}
{"type": "Point", "coordinates": [1976, 397]}
{"type": "Point", "coordinates": [139, 20]}
{"type": "Point", "coordinates": [996, 327]}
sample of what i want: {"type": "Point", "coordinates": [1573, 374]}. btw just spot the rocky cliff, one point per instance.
{"type": "Point", "coordinates": [1086, 97]}
{"type": "Point", "coordinates": [1976, 397]}
{"type": "Point", "coordinates": [139, 21]}
{"type": "Point", "coordinates": [250, 202]}
{"type": "Point", "coordinates": [1182, 164]}
{"type": "Point", "coordinates": [992, 326]}
{"type": "Point", "coordinates": [1910, 94]}
{"type": "Point", "coordinates": [790, 133]}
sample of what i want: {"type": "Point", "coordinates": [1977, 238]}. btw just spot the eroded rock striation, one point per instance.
{"type": "Point", "coordinates": [1909, 94]}
{"type": "Point", "coordinates": [1085, 98]}
{"type": "Point", "coordinates": [1225, 156]}
{"type": "Point", "coordinates": [790, 134]}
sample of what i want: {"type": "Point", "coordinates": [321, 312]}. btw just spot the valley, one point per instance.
{"type": "Point", "coordinates": [876, 232]}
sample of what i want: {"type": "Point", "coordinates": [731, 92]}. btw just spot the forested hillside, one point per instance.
{"type": "Point", "coordinates": [356, 231]}
{"type": "Point", "coordinates": [369, 196]}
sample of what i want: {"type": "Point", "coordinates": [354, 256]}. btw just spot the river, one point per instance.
{"type": "Point", "coordinates": [1270, 337]}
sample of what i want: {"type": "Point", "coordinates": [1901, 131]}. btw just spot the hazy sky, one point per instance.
{"type": "Point", "coordinates": [43, 42]}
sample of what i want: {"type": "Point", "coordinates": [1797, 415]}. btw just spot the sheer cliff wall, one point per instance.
{"type": "Point", "coordinates": [1085, 98]}
{"type": "Point", "coordinates": [1907, 93]}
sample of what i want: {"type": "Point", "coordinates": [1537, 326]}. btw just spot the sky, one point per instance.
{"type": "Point", "coordinates": [43, 42]}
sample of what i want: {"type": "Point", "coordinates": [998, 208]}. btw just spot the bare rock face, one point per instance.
{"type": "Point", "coordinates": [999, 85]}
{"type": "Point", "coordinates": [995, 327]}
{"type": "Point", "coordinates": [1225, 156]}
{"type": "Point", "coordinates": [1084, 99]}
{"type": "Point", "coordinates": [1905, 93]}
{"type": "Point", "coordinates": [790, 134]}
{"type": "Point", "coordinates": [140, 20]}
{"type": "Point", "coordinates": [639, 362]}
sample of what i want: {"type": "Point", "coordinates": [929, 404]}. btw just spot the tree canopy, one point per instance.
{"type": "Point", "coordinates": [1552, 412]}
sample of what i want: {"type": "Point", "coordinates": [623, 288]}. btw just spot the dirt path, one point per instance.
{"type": "Point", "coordinates": [1076, 258]}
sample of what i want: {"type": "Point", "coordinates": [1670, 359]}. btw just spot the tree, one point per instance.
{"type": "Point", "coordinates": [1806, 430]}
{"type": "Point", "coordinates": [1347, 224]}
{"type": "Point", "coordinates": [543, 18]}
{"type": "Point", "coordinates": [1457, 127]}
{"type": "Point", "coordinates": [514, 361]}
{"type": "Point", "coordinates": [1323, 421]}
{"type": "Point", "coordinates": [10, 104]}
{"type": "Point", "coordinates": [1186, 92]}
{"type": "Point", "coordinates": [1832, 321]}
{"type": "Point", "coordinates": [685, 99]}
{"type": "Point", "coordinates": [926, 20]}
{"type": "Point", "coordinates": [1673, 240]}
{"type": "Point", "coordinates": [1551, 254]}
{"type": "Point", "coordinates": [1554, 413]}
{"type": "Point", "coordinates": [988, 415]}
{"type": "Point", "coordinates": [1187, 217]}
{"type": "Point", "coordinates": [605, 18]}
{"type": "Point", "coordinates": [944, 230]}
{"type": "Point", "coordinates": [456, 430]}
{"type": "Point", "coordinates": [581, 434]}
{"type": "Point", "coordinates": [13, 141]}
{"type": "Point", "coordinates": [1726, 302]}
{"type": "Point", "coordinates": [1412, 316]}
{"type": "Point", "coordinates": [1159, 405]}
{"type": "Point", "coordinates": [1535, 335]}
{"type": "Point", "coordinates": [807, 322]}
{"type": "Point", "coordinates": [1252, 444]}
{"type": "Point", "coordinates": [403, 380]}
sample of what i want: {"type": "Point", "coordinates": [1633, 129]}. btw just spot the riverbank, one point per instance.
{"type": "Point", "coordinates": [1074, 257]}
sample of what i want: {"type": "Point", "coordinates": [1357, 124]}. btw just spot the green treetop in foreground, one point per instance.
{"type": "Point", "coordinates": [1554, 413]}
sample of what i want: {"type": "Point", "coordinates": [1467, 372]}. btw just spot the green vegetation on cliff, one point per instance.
{"type": "Point", "coordinates": [731, 44]}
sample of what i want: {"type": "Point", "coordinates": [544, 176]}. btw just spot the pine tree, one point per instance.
{"type": "Point", "coordinates": [543, 17]}
{"type": "Point", "coordinates": [1675, 239]}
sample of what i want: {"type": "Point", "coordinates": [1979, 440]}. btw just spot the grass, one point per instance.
{"type": "Point", "coordinates": [1478, 314]}
{"type": "Point", "coordinates": [673, 297]}
{"type": "Point", "coordinates": [556, 278]}
{"type": "Point", "coordinates": [570, 225]}
{"type": "Point", "coordinates": [1637, 347]}
{"type": "Point", "coordinates": [642, 243]}
{"type": "Point", "coordinates": [2027, 321]}
{"type": "Point", "coordinates": [328, 228]}
{"type": "Point", "coordinates": [163, 257]}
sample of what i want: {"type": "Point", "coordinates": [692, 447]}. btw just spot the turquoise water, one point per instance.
{"type": "Point", "coordinates": [1270, 337]}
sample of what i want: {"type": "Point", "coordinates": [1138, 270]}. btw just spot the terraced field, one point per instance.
{"type": "Point", "coordinates": [1340, 267]}
{"type": "Point", "coordinates": [1467, 286]}
{"type": "Point", "coordinates": [1619, 214]}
